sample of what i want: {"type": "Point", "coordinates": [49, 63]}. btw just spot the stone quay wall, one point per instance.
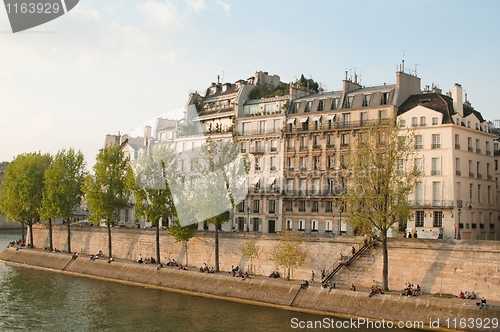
{"type": "Point", "coordinates": [438, 266]}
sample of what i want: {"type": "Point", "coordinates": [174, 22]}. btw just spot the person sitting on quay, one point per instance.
{"type": "Point", "coordinates": [353, 288]}
{"type": "Point", "coordinates": [75, 256]}
{"type": "Point", "coordinates": [152, 260]}
{"type": "Point", "coordinates": [139, 260]}
{"type": "Point", "coordinates": [483, 303]}
{"type": "Point", "coordinates": [461, 295]}
{"type": "Point", "coordinates": [110, 259]}
{"type": "Point", "coordinates": [304, 284]}
{"type": "Point", "coordinates": [100, 254]}
{"type": "Point", "coordinates": [93, 257]}
{"type": "Point", "coordinates": [331, 285]}
{"type": "Point", "coordinates": [245, 277]}
{"type": "Point", "coordinates": [159, 266]}
{"type": "Point", "coordinates": [472, 296]}
{"type": "Point", "coordinates": [466, 295]}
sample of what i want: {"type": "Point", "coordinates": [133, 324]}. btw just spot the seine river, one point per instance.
{"type": "Point", "coordinates": [36, 300]}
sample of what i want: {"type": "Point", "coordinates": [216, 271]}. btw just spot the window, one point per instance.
{"type": "Point", "coordinates": [272, 206]}
{"type": "Point", "coordinates": [457, 167]}
{"type": "Point", "coordinates": [274, 146]}
{"type": "Point", "coordinates": [436, 141]}
{"type": "Point", "coordinates": [469, 144]}
{"type": "Point", "coordinates": [436, 193]}
{"type": "Point", "coordinates": [303, 143]}
{"type": "Point", "coordinates": [419, 219]}
{"type": "Point", "coordinates": [489, 195]}
{"type": "Point", "coordinates": [243, 147]}
{"type": "Point", "coordinates": [478, 146]}
{"type": "Point", "coordinates": [335, 104]}
{"type": "Point", "coordinates": [329, 206]}
{"type": "Point", "coordinates": [385, 98]}
{"type": "Point", "coordinates": [419, 194]}
{"type": "Point", "coordinates": [459, 193]}
{"type": "Point", "coordinates": [366, 100]}
{"type": "Point", "coordinates": [470, 193]}
{"type": "Point", "coordinates": [314, 226]}
{"type": "Point", "coordinates": [457, 142]}
{"type": "Point", "coordinates": [418, 166]}
{"type": "Point", "coordinates": [400, 167]}
{"type": "Point", "coordinates": [289, 163]}
{"type": "Point", "coordinates": [434, 121]}
{"type": "Point", "coordinates": [364, 118]}
{"type": "Point", "coordinates": [289, 224]}
{"type": "Point", "coordinates": [328, 226]}
{"type": "Point", "coordinates": [349, 101]}
{"type": "Point", "coordinates": [488, 152]}
{"type": "Point", "coordinates": [488, 171]}
{"type": "Point", "coordinates": [418, 142]}
{"type": "Point", "coordinates": [277, 126]}
{"type": "Point", "coordinates": [468, 124]}
{"type": "Point", "coordinates": [288, 206]}
{"type": "Point", "coordinates": [302, 206]}
{"type": "Point", "coordinates": [329, 140]}
{"type": "Point", "coordinates": [402, 124]}
{"type": "Point", "coordinates": [479, 194]}
{"type": "Point", "coordinates": [346, 118]}
{"type": "Point", "coordinates": [345, 139]}
{"type": "Point", "coordinates": [314, 206]}
{"type": "Point", "coordinates": [330, 160]}
{"type": "Point", "coordinates": [289, 185]}
{"type": "Point", "coordinates": [290, 143]}
{"type": "Point", "coordinates": [414, 122]}
{"type": "Point", "coordinates": [273, 164]}
{"type": "Point", "coordinates": [422, 121]}
{"type": "Point", "coordinates": [435, 167]}
{"type": "Point", "coordinates": [303, 163]}
{"type": "Point", "coordinates": [302, 225]}
{"type": "Point", "coordinates": [315, 141]}
{"type": "Point", "coordinates": [256, 206]}
{"type": "Point", "coordinates": [245, 128]}
{"type": "Point", "coordinates": [496, 164]}
{"type": "Point", "coordinates": [316, 163]}
{"type": "Point", "coordinates": [321, 105]}
{"type": "Point", "coordinates": [262, 127]}
{"type": "Point", "coordinates": [438, 219]}
{"type": "Point", "coordinates": [296, 107]}
{"type": "Point", "coordinates": [477, 169]}
{"type": "Point", "coordinates": [315, 186]}
{"type": "Point", "coordinates": [258, 163]}
{"type": "Point", "coordinates": [382, 114]}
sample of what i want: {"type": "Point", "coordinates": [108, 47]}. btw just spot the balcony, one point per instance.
{"type": "Point", "coordinates": [312, 193]}
{"type": "Point", "coordinates": [259, 132]}
{"type": "Point", "coordinates": [471, 149]}
{"type": "Point", "coordinates": [290, 148]}
{"type": "Point", "coordinates": [257, 150]}
{"type": "Point", "coordinates": [460, 203]}
{"type": "Point", "coordinates": [457, 146]}
{"type": "Point", "coordinates": [488, 152]}
{"type": "Point", "coordinates": [458, 173]}
{"type": "Point", "coordinates": [336, 125]}
{"type": "Point", "coordinates": [471, 175]}
{"type": "Point", "coordinates": [436, 145]}
{"type": "Point", "coordinates": [418, 146]}
{"type": "Point", "coordinates": [478, 150]}
{"type": "Point", "coordinates": [489, 177]}
{"type": "Point", "coordinates": [430, 204]}
{"type": "Point", "coordinates": [479, 176]}
{"type": "Point", "coordinates": [435, 172]}
{"type": "Point", "coordinates": [330, 146]}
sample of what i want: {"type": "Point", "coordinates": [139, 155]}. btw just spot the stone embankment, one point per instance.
{"type": "Point", "coordinates": [258, 289]}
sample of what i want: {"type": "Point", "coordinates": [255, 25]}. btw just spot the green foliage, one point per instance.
{"type": "Point", "coordinates": [250, 250]}
{"type": "Point", "coordinates": [303, 82]}
{"type": "Point", "coordinates": [149, 183]}
{"type": "Point", "coordinates": [268, 91]}
{"type": "Point", "coordinates": [288, 253]}
{"type": "Point", "coordinates": [63, 189]}
{"type": "Point", "coordinates": [106, 189]}
{"type": "Point", "coordinates": [182, 233]}
{"type": "Point", "coordinates": [23, 185]}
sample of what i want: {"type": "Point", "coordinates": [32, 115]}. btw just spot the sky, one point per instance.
{"type": "Point", "coordinates": [108, 66]}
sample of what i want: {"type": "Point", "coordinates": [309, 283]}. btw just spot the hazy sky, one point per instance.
{"type": "Point", "coordinates": [109, 65]}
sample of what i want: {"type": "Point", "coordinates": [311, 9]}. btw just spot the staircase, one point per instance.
{"type": "Point", "coordinates": [298, 297]}
{"type": "Point", "coordinates": [347, 260]}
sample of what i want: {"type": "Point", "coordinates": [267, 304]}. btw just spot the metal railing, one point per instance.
{"type": "Point", "coordinates": [335, 125]}
{"type": "Point", "coordinates": [432, 204]}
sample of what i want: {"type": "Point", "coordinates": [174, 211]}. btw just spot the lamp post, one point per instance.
{"type": "Point", "coordinates": [459, 219]}
{"type": "Point", "coordinates": [248, 217]}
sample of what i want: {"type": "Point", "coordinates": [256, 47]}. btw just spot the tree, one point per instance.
{"type": "Point", "coordinates": [182, 234]}
{"type": "Point", "coordinates": [287, 253]}
{"type": "Point", "coordinates": [250, 250]}
{"type": "Point", "coordinates": [221, 174]}
{"type": "Point", "coordinates": [153, 175]}
{"type": "Point", "coordinates": [106, 190]}
{"type": "Point", "coordinates": [22, 187]}
{"type": "Point", "coordinates": [307, 82]}
{"type": "Point", "coordinates": [63, 189]}
{"type": "Point", "coordinates": [381, 175]}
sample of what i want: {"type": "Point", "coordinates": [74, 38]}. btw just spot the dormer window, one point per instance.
{"type": "Point", "coordinates": [434, 121]}
{"type": "Point", "coordinates": [385, 98]}
{"type": "Point", "coordinates": [321, 105]}
{"type": "Point", "coordinates": [335, 104]}
{"type": "Point", "coordinates": [422, 121]}
{"type": "Point", "coordinates": [477, 126]}
{"type": "Point", "coordinates": [308, 106]}
{"type": "Point", "coordinates": [414, 121]}
{"type": "Point", "coordinates": [349, 101]}
{"type": "Point", "coordinates": [366, 100]}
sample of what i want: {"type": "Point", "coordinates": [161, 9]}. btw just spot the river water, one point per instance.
{"type": "Point", "coordinates": [37, 300]}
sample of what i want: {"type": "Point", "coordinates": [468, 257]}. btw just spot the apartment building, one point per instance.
{"type": "Point", "coordinates": [456, 198]}
{"type": "Point", "coordinates": [318, 132]}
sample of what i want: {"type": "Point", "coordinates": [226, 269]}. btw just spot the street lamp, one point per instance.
{"type": "Point", "coordinates": [459, 219]}
{"type": "Point", "coordinates": [248, 217]}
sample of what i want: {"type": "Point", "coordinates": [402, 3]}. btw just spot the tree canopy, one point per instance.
{"type": "Point", "coordinates": [288, 253]}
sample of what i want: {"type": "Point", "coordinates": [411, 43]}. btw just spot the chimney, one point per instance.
{"type": "Point", "coordinates": [458, 104]}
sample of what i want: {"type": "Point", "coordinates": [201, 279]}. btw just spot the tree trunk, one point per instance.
{"type": "Point", "coordinates": [186, 244]}
{"type": "Point", "coordinates": [216, 248]}
{"type": "Point", "coordinates": [109, 239]}
{"type": "Point", "coordinates": [31, 233]}
{"type": "Point", "coordinates": [69, 236]}
{"type": "Point", "coordinates": [22, 231]}
{"type": "Point", "coordinates": [158, 241]}
{"type": "Point", "coordinates": [385, 271]}
{"type": "Point", "coordinates": [51, 248]}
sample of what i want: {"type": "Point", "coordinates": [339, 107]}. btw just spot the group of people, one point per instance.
{"type": "Point", "coordinates": [466, 295]}
{"type": "Point", "coordinates": [411, 290]}
{"type": "Point", "coordinates": [172, 262]}
{"type": "Point", "coordinates": [96, 256]}
{"type": "Point", "coordinates": [330, 285]}
{"type": "Point", "coordinates": [304, 284]}
{"type": "Point", "coordinates": [375, 290]}
{"type": "Point", "coordinates": [146, 261]}
{"type": "Point", "coordinates": [274, 274]}
{"type": "Point", "coordinates": [207, 269]}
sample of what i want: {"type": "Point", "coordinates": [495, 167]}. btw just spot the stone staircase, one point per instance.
{"type": "Point", "coordinates": [347, 260]}
{"type": "Point", "coordinates": [296, 300]}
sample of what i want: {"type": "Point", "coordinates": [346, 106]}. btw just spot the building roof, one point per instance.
{"type": "Point", "coordinates": [437, 102]}
{"type": "Point", "coordinates": [232, 89]}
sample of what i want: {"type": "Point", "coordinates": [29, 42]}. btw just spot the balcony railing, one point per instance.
{"type": "Point", "coordinates": [459, 173]}
{"type": "Point", "coordinates": [336, 125]}
{"type": "Point", "coordinates": [257, 150]}
{"type": "Point", "coordinates": [460, 203]}
{"type": "Point", "coordinates": [471, 149]}
{"type": "Point", "coordinates": [479, 176]}
{"type": "Point", "coordinates": [259, 131]}
{"type": "Point", "coordinates": [489, 177]}
{"type": "Point", "coordinates": [267, 190]}
{"type": "Point", "coordinates": [418, 146]}
{"type": "Point", "coordinates": [471, 175]}
{"type": "Point", "coordinates": [457, 146]}
{"type": "Point", "coordinates": [478, 150]}
{"type": "Point", "coordinates": [432, 204]}
{"type": "Point", "coordinates": [309, 193]}
{"type": "Point", "coordinates": [488, 152]}
{"type": "Point", "coordinates": [436, 145]}
{"type": "Point", "coordinates": [435, 172]}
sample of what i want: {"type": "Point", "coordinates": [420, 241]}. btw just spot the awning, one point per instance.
{"type": "Point", "coordinates": [303, 155]}
{"type": "Point", "coordinates": [271, 180]}
{"type": "Point", "coordinates": [330, 154]}
{"type": "Point", "coordinates": [316, 155]}
{"type": "Point", "coordinates": [255, 180]}
{"type": "Point", "coordinates": [304, 120]}
{"type": "Point", "coordinates": [290, 156]}
{"type": "Point", "coordinates": [290, 121]}
{"type": "Point", "coordinates": [330, 117]}
{"type": "Point", "coordinates": [317, 118]}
